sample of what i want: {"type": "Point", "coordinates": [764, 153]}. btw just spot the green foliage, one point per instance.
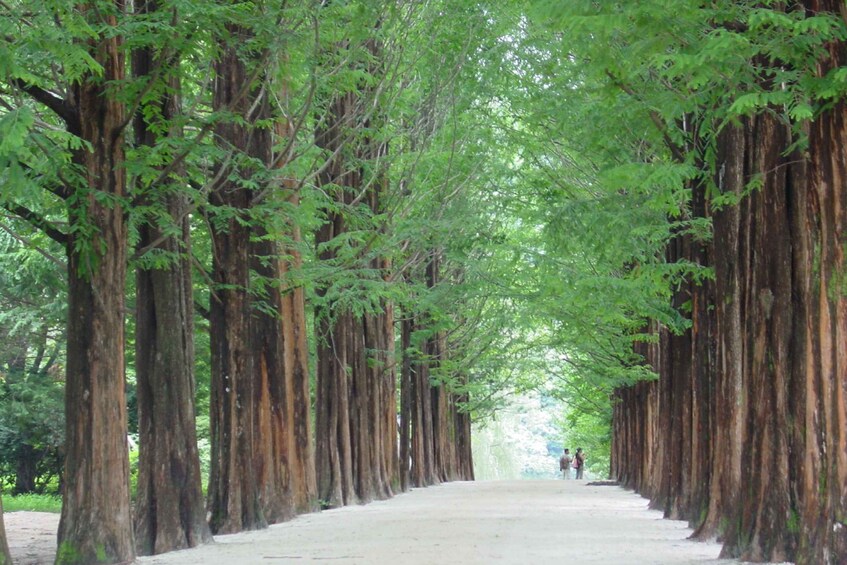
{"type": "Point", "coordinates": [31, 433]}
{"type": "Point", "coordinates": [31, 373]}
{"type": "Point", "coordinates": [542, 153]}
{"type": "Point", "coordinates": [33, 503]}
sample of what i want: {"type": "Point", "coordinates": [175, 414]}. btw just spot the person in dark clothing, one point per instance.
{"type": "Point", "coordinates": [579, 462]}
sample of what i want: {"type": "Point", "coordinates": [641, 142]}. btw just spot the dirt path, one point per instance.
{"type": "Point", "coordinates": [31, 536]}
{"type": "Point", "coordinates": [484, 522]}
{"type": "Point", "coordinates": [466, 523]}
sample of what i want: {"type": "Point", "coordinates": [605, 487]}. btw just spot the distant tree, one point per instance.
{"type": "Point", "coordinates": [32, 306]}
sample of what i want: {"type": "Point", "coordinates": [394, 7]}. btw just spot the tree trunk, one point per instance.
{"type": "Point", "coordinates": [387, 378]}
{"type": "Point", "coordinates": [95, 525]}
{"type": "Point", "coordinates": [333, 458]}
{"type": "Point", "coordinates": [26, 470]}
{"type": "Point", "coordinates": [333, 440]}
{"type": "Point", "coordinates": [273, 433]}
{"type": "Point", "coordinates": [170, 511]}
{"type": "Point", "coordinates": [818, 460]}
{"type": "Point", "coordinates": [234, 500]}
{"type": "Point", "coordinates": [356, 444]}
{"type": "Point", "coordinates": [757, 524]}
{"type": "Point", "coordinates": [423, 471]}
{"type": "Point", "coordinates": [406, 407]}
{"type": "Point", "coordinates": [778, 410]}
{"type": "Point", "coordinates": [464, 453]}
{"type": "Point", "coordinates": [298, 396]}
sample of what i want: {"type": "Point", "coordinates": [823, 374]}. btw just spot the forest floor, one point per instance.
{"type": "Point", "coordinates": [463, 522]}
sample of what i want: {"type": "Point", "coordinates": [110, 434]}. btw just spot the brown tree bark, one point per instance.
{"type": "Point", "coordinates": [234, 499]}
{"type": "Point", "coordinates": [819, 391]}
{"type": "Point", "coordinates": [333, 457]}
{"type": "Point", "coordinates": [777, 463]}
{"type": "Point", "coordinates": [296, 354]}
{"type": "Point", "coordinates": [464, 453]}
{"type": "Point", "coordinates": [406, 407]}
{"type": "Point", "coordinates": [95, 525]}
{"type": "Point", "coordinates": [298, 407]}
{"type": "Point", "coordinates": [423, 472]}
{"type": "Point", "coordinates": [170, 510]}
{"type": "Point", "coordinates": [273, 433]}
{"type": "Point", "coordinates": [356, 428]}
{"type": "Point", "coordinates": [436, 440]}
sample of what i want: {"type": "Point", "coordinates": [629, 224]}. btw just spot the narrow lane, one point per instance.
{"type": "Point", "coordinates": [471, 522]}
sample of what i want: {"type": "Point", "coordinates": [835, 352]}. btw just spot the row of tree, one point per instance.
{"type": "Point", "coordinates": [743, 433]}
{"type": "Point", "coordinates": [132, 133]}
{"type": "Point", "coordinates": [428, 206]}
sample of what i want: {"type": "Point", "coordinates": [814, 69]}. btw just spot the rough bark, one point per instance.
{"type": "Point", "coordinates": [95, 525]}
{"type": "Point", "coordinates": [464, 453]}
{"type": "Point", "coordinates": [437, 447]}
{"type": "Point", "coordinates": [233, 496]}
{"type": "Point", "coordinates": [301, 458]}
{"type": "Point", "coordinates": [406, 414]}
{"type": "Point", "coordinates": [170, 510]}
{"type": "Point", "coordinates": [423, 471]}
{"type": "Point", "coordinates": [333, 458]}
{"type": "Point", "coordinates": [273, 432]}
{"type": "Point", "coordinates": [356, 428]}
{"type": "Point", "coordinates": [819, 394]}
{"type": "Point", "coordinates": [777, 461]}
{"type": "Point", "coordinates": [301, 461]}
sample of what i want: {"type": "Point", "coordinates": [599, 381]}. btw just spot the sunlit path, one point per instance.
{"type": "Point", "coordinates": [467, 522]}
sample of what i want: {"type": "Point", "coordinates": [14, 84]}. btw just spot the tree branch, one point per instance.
{"type": "Point", "coordinates": [49, 256]}
{"type": "Point", "coordinates": [53, 101]}
{"type": "Point", "coordinates": [37, 222]}
{"type": "Point", "coordinates": [675, 150]}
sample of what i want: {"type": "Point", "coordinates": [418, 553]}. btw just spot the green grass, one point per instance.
{"type": "Point", "coordinates": [32, 503]}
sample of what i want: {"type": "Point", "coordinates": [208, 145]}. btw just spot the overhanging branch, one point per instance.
{"type": "Point", "coordinates": [54, 102]}
{"type": "Point", "coordinates": [37, 222]}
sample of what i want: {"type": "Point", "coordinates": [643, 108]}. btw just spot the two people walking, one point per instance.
{"type": "Point", "coordinates": [575, 462]}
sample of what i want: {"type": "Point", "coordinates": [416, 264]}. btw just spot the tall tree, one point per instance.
{"type": "Point", "coordinates": [95, 524]}
{"type": "Point", "coordinates": [234, 498]}
{"type": "Point", "coordinates": [273, 382]}
{"type": "Point", "coordinates": [170, 510]}
{"type": "Point", "coordinates": [298, 406]}
{"type": "Point", "coordinates": [760, 124]}
{"type": "Point", "coordinates": [355, 381]}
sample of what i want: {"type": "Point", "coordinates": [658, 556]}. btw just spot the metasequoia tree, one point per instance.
{"type": "Point", "coordinates": [234, 497]}
{"type": "Point", "coordinates": [773, 401]}
{"type": "Point", "coordinates": [292, 304]}
{"type": "Point", "coordinates": [435, 431]}
{"type": "Point", "coordinates": [170, 509]}
{"type": "Point", "coordinates": [301, 461]}
{"type": "Point", "coordinates": [275, 379]}
{"type": "Point", "coordinates": [285, 463]}
{"type": "Point", "coordinates": [355, 425]}
{"type": "Point", "coordinates": [95, 525]}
